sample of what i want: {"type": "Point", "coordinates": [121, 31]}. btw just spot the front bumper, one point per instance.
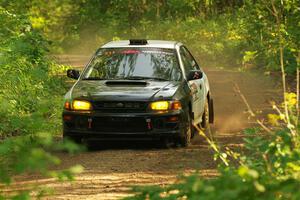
{"type": "Point", "coordinates": [128, 126]}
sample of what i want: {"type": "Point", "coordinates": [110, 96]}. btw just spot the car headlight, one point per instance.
{"type": "Point", "coordinates": [81, 105]}
{"type": "Point", "coordinates": [159, 105]}
{"type": "Point", "coordinates": [165, 105]}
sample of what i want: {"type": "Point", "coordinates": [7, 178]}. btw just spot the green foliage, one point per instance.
{"type": "Point", "coordinates": [270, 25]}
{"type": "Point", "coordinates": [49, 17]}
{"type": "Point", "coordinates": [30, 104]}
{"type": "Point", "coordinates": [29, 154]}
{"type": "Point", "coordinates": [243, 183]}
{"type": "Point", "coordinates": [220, 33]}
{"type": "Point", "coordinates": [24, 74]}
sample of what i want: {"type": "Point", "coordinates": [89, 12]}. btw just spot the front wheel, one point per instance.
{"type": "Point", "coordinates": [185, 139]}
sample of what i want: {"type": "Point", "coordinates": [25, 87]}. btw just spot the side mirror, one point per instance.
{"type": "Point", "coordinates": [73, 73]}
{"type": "Point", "coordinates": [194, 74]}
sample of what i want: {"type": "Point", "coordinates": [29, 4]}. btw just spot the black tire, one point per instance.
{"type": "Point", "coordinates": [204, 125]}
{"type": "Point", "coordinates": [185, 139]}
{"type": "Point", "coordinates": [211, 111]}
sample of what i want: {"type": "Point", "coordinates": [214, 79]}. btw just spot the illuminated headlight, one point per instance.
{"type": "Point", "coordinates": [81, 105]}
{"type": "Point", "coordinates": [165, 105]}
{"type": "Point", "coordinates": [159, 105]}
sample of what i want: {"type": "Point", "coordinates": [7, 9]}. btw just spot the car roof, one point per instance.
{"type": "Point", "coordinates": [150, 43]}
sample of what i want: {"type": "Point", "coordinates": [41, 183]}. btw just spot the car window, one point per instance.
{"type": "Point", "coordinates": [188, 61]}
{"type": "Point", "coordinates": [121, 63]}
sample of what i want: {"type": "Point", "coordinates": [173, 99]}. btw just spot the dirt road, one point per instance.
{"type": "Point", "coordinates": [111, 169]}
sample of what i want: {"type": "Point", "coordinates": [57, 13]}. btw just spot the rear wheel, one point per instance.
{"type": "Point", "coordinates": [204, 125]}
{"type": "Point", "coordinates": [211, 111]}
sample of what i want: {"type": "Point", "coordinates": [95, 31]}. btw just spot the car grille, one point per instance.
{"type": "Point", "coordinates": [119, 124]}
{"type": "Point", "coordinates": [120, 106]}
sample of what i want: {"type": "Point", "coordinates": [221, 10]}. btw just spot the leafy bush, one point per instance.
{"type": "Point", "coordinates": [243, 183]}
{"type": "Point", "coordinates": [28, 91]}
{"type": "Point", "coordinates": [30, 103]}
{"type": "Point", "coordinates": [269, 26]}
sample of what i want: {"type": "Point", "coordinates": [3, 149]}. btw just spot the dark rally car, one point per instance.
{"type": "Point", "coordinates": [138, 89]}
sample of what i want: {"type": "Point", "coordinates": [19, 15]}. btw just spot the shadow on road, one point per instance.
{"type": "Point", "coordinates": [128, 145]}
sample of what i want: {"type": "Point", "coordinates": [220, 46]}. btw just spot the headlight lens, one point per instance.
{"type": "Point", "coordinates": [165, 105]}
{"type": "Point", "coordinates": [159, 105]}
{"type": "Point", "coordinates": [81, 105]}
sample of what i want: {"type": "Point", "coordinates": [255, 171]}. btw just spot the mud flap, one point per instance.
{"type": "Point", "coordinates": [211, 111]}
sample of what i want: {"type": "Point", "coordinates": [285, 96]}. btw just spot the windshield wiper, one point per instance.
{"type": "Point", "coordinates": [144, 77]}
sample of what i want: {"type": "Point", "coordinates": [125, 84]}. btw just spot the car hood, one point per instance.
{"type": "Point", "coordinates": [124, 90]}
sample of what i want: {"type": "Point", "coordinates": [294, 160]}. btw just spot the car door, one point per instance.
{"type": "Point", "coordinates": [196, 86]}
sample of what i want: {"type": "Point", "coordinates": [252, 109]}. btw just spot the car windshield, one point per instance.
{"type": "Point", "coordinates": [134, 64]}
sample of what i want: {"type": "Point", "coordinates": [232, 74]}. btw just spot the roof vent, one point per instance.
{"type": "Point", "coordinates": [138, 42]}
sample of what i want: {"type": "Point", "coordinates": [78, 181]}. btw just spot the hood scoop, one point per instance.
{"type": "Point", "coordinates": [126, 83]}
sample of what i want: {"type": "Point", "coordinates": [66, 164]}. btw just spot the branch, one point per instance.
{"type": "Point", "coordinates": [213, 145]}
{"type": "Point", "coordinates": [270, 10]}
{"type": "Point", "coordinates": [275, 12]}
{"type": "Point", "coordinates": [237, 90]}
